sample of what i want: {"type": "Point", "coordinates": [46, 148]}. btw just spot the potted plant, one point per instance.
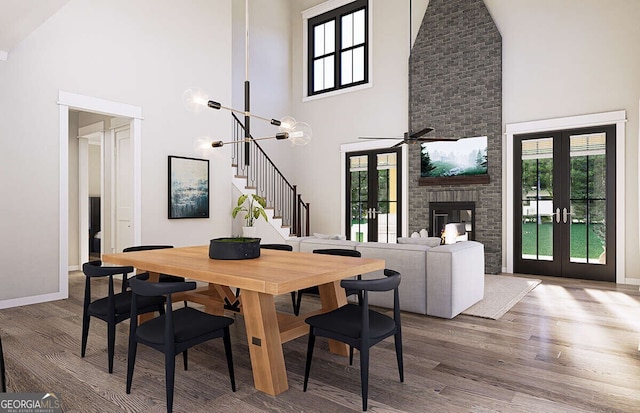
{"type": "Point", "coordinates": [253, 208]}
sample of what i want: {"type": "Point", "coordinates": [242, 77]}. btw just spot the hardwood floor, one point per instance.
{"type": "Point", "coordinates": [568, 346]}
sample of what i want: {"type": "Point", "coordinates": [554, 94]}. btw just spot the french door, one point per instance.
{"type": "Point", "coordinates": [565, 209]}
{"type": "Point", "coordinates": [373, 208]}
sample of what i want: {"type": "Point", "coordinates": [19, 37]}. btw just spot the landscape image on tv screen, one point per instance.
{"type": "Point", "coordinates": [466, 156]}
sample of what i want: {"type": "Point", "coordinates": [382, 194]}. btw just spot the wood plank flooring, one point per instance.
{"type": "Point", "coordinates": [568, 346]}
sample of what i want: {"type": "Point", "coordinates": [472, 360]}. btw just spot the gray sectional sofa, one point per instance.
{"type": "Point", "coordinates": [441, 281]}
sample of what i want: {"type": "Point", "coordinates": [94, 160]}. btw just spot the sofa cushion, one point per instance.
{"type": "Point", "coordinates": [312, 243]}
{"type": "Point", "coordinates": [410, 260]}
{"type": "Point", "coordinates": [429, 241]}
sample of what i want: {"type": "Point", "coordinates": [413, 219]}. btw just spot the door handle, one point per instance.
{"type": "Point", "coordinates": [557, 214]}
{"type": "Point", "coordinates": [371, 213]}
{"type": "Point", "coordinates": [564, 215]}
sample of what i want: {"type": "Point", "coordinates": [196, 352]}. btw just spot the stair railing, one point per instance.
{"type": "Point", "coordinates": [265, 178]}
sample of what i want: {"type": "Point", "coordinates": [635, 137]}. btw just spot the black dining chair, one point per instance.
{"type": "Point", "coordinates": [3, 376]}
{"type": "Point", "coordinates": [163, 277]}
{"type": "Point", "coordinates": [174, 332]}
{"type": "Point", "coordinates": [360, 327]}
{"type": "Point", "coordinates": [314, 290]}
{"type": "Point", "coordinates": [114, 308]}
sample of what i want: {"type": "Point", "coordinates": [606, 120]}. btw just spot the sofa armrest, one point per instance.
{"type": "Point", "coordinates": [455, 278]}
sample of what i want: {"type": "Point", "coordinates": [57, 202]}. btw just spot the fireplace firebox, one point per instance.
{"type": "Point", "coordinates": [443, 213]}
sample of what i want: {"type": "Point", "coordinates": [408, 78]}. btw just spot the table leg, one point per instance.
{"type": "Point", "coordinates": [333, 296]}
{"type": "Point", "coordinates": [265, 345]}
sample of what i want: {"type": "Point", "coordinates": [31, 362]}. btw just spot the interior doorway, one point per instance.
{"type": "Point", "coordinates": [129, 115]}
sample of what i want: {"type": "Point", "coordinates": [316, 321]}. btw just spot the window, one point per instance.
{"type": "Point", "coordinates": [337, 50]}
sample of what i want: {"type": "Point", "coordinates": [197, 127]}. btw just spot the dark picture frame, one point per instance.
{"type": "Point", "coordinates": [188, 187]}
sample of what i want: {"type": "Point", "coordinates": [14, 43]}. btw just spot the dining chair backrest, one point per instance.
{"type": "Point", "coordinates": [146, 248]}
{"type": "Point", "coordinates": [163, 277]}
{"type": "Point", "coordinates": [279, 247]}
{"type": "Point", "coordinates": [112, 309]}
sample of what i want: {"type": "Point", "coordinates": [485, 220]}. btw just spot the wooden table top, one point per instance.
{"type": "Point", "coordinates": [274, 272]}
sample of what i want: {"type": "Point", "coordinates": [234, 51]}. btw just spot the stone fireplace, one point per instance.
{"type": "Point", "coordinates": [456, 88]}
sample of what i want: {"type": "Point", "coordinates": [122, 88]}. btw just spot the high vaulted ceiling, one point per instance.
{"type": "Point", "coordinates": [19, 18]}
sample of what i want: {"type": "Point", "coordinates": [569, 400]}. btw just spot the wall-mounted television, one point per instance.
{"type": "Point", "coordinates": [461, 159]}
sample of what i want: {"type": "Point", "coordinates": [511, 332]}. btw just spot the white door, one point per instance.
{"type": "Point", "coordinates": [123, 189]}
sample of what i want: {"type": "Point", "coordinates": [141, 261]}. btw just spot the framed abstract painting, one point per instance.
{"type": "Point", "coordinates": [188, 187]}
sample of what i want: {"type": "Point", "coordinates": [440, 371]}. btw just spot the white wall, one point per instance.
{"type": "Point", "coordinates": [143, 53]}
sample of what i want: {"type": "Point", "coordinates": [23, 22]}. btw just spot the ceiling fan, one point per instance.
{"type": "Point", "coordinates": [411, 136]}
{"type": "Point", "coordinates": [414, 137]}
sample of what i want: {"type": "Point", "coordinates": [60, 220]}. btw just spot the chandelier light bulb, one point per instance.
{"type": "Point", "coordinates": [286, 124]}
{"type": "Point", "coordinates": [202, 145]}
{"type": "Point", "coordinates": [195, 100]}
{"type": "Point", "coordinates": [300, 134]}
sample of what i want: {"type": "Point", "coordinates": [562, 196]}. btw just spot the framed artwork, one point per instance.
{"type": "Point", "coordinates": [188, 187]}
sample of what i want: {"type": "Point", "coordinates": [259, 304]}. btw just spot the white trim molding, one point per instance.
{"type": "Point", "coordinates": [617, 118]}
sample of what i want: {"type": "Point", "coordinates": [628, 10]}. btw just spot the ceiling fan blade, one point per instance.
{"type": "Point", "coordinates": [435, 139]}
{"type": "Point", "coordinates": [420, 133]}
{"type": "Point", "coordinates": [374, 137]}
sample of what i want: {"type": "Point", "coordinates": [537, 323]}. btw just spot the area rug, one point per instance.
{"type": "Point", "coordinates": [501, 292]}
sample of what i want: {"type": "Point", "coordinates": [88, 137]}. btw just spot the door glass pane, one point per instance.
{"type": "Point", "coordinates": [387, 198]}
{"type": "Point", "coordinates": [358, 200]}
{"type": "Point", "coordinates": [536, 198]}
{"type": "Point", "coordinates": [587, 198]}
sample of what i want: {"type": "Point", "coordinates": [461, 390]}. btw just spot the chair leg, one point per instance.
{"type": "Point", "coordinates": [85, 333]}
{"type": "Point", "coordinates": [185, 359]}
{"type": "Point", "coordinates": [111, 343]}
{"type": "Point", "coordinates": [351, 355]}
{"type": "Point", "coordinates": [364, 375]}
{"type": "Point", "coordinates": [307, 368]}
{"type": "Point", "coordinates": [296, 309]}
{"type": "Point", "coordinates": [398, 340]}
{"type": "Point", "coordinates": [169, 374]}
{"type": "Point", "coordinates": [227, 351]}
{"type": "Point", "coordinates": [3, 375]}
{"type": "Point", "coordinates": [293, 302]}
{"type": "Point", "coordinates": [131, 361]}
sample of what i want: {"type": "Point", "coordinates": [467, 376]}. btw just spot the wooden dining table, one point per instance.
{"type": "Point", "coordinates": [259, 280]}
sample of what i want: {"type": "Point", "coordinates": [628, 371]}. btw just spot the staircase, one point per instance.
{"type": "Point", "coordinates": [286, 210]}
